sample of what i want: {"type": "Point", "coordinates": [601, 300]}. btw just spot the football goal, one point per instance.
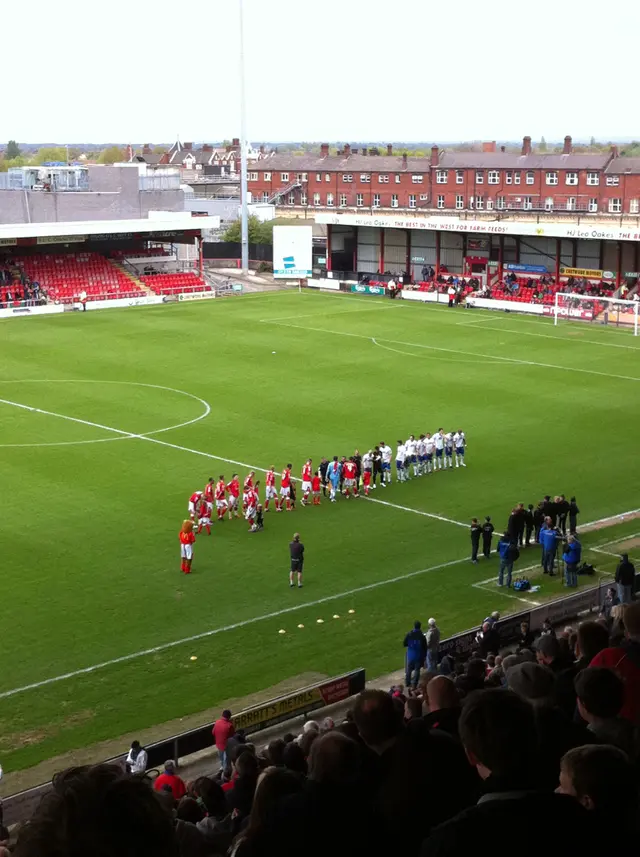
{"type": "Point", "coordinates": [596, 310]}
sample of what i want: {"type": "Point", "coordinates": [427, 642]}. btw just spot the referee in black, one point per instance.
{"type": "Point", "coordinates": [296, 551]}
{"type": "Point", "coordinates": [324, 466]}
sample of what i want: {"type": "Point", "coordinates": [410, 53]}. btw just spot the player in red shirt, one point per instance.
{"type": "Point", "coordinates": [193, 504]}
{"type": "Point", "coordinates": [204, 517]}
{"type": "Point", "coordinates": [246, 487]}
{"type": "Point", "coordinates": [220, 494]}
{"type": "Point", "coordinates": [366, 481]}
{"type": "Point", "coordinates": [187, 540]}
{"type": "Point", "coordinates": [208, 493]}
{"type": "Point", "coordinates": [306, 481]}
{"type": "Point", "coordinates": [270, 489]}
{"type": "Point", "coordinates": [252, 505]}
{"type": "Point", "coordinates": [349, 473]}
{"type": "Point", "coordinates": [233, 490]}
{"type": "Point", "coordinates": [315, 487]}
{"type": "Point", "coordinates": [285, 489]}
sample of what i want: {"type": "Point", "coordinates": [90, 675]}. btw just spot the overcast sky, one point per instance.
{"type": "Point", "coordinates": [335, 70]}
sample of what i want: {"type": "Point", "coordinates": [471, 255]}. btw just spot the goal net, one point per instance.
{"type": "Point", "coordinates": [596, 310]}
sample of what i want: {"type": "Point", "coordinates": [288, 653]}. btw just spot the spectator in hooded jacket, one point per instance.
{"type": "Point", "coordinates": [433, 644]}
{"type": "Point", "coordinates": [625, 660]}
{"type": "Point", "coordinates": [169, 778]}
{"type": "Point", "coordinates": [137, 759]}
{"type": "Point", "coordinates": [571, 556]}
{"type": "Point", "coordinates": [416, 646]}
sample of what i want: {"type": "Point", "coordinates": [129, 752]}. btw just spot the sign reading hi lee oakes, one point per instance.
{"type": "Point", "coordinates": [292, 248]}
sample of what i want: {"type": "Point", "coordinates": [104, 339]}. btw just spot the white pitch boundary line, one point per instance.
{"type": "Point", "coordinates": [502, 329]}
{"type": "Point", "coordinates": [232, 627]}
{"type": "Point", "coordinates": [132, 435]}
{"type": "Point", "coordinates": [457, 351]}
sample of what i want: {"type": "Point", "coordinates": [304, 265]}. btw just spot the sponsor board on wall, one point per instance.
{"type": "Point", "coordinates": [292, 252]}
{"type": "Point", "coordinates": [568, 312]}
{"type": "Point", "coordinates": [8, 242]}
{"type": "Point", "coordinates": [368, 290]}
{"type": "Point", "coordinates": [60, 239]}
{"type": "Point", "coordinates": [16, 312]}
{"type": "Point", "coordinates": [196, 296]}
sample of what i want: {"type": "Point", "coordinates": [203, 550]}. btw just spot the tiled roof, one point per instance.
{"type": "Point", "coordinates": [622, 166]}
{"type": "Point", "coordinates": [504, 160]}
{"type": "Point", "coordinates": [340, 163]}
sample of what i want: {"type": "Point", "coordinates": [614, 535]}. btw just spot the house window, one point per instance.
{"type": "Point", "coordinates": [571, 178]}
{"type": "Point", "coordinates": [383, 179]}
{"type": "Point", "coordinates": [613, 181]}
{"type": "Point", "coordinates": [343, 200]}
{"type": "Point", "coordinates": [459, 176]}
{"type": "Point", "coordinates": [412, 200]}
{"type": "Point", "coordinates": [479, 176]}
{"type": "Point", "coordinates": [593, 204]}
{"type": "Point", "coordinates": [527, 203]}
{"type": "Point", "coordinates": [292, 198]}
{"type": "Point", "coordinates": [359, 199]}
{"type": "Point", "coordinates": [552, 178]}
{"type": "Point", "coordinates": [424, 197]}
{"type": "Point", "coordinates": [252, 177]}
{"type": "Point", "coordinates": [516, 177]}
{"type": "Point", "coordinates": [304, 177]}
{"type": "Point", "coordinates": [397, 177]}
{"type": "Point", "coordinates": [394, 200]}
{"type": "Point", "coordinates": [327, 177]}
{"type": "Point", "coordinates": [284, 177]}
{"type": "Point", "coordinates": [615, 205]}
{"type": "Point", "coordinates": [493, 177]}
{"type": "Point", "coordinates": [347, 178]}
{"type": "Point", "coordinates": [459, 201]}
{"type": "Point", "coordinates": [479, 203]}
{"type": "Point", "coordinates": [489, 204]}
{"type": "Point", "coordinates": [472, 202]}
{"type": "Point", "coordinates": [571, 203]}
{"type": "Point", "coordinates": [376, 200]}
{"type": "Point", "coordinates": [593, 179]}
{"type": "Point", "coordinates": [330, 199]}
{"type": "Point", "coordinates": [417, 179]}
{"type": "Point", "coordinates": [303, 198]}
{"type": "Point", "coordinates": [500, 202]}
{"type": "Point", "coordinates": [265, 196]}
{"type": "Point", "coordinates": [634, 206]}
{"type": "Point", "coordinates": [530, 177]}
{"type": "Point", "coordinates": [267, 177]}
{"type": "Point", "coordinates": [318, 177]}
{"type": "Point", "coordinates": [365, 177]}
{"type": "Point", "coordinates": [440, 200]}
{"type": "Point", "coordinates": [442, 176]}
{"type": "Point", "coordinates": [508, 179]}
{"type": "Point", "coordinates": [316, 199]}
{"type": "Point", "coordinates": [548, 203]}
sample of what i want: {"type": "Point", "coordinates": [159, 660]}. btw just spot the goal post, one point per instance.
{"type": "Point", "coordinates": [596, 310]}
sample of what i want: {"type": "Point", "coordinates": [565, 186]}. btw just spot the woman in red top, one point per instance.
{"type": "Point", "coordinates": [187, 539]}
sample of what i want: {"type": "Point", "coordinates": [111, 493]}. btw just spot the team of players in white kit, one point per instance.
{"type": "Point", "coordinates": [425, 454]}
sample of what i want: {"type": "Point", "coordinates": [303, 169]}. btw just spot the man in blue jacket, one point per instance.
{"type": "Point", "coordinates": [508, 553]}
{"type": "Point", "coordinates": [571, 557]}
{"type": "Point", "coordinates": [416, 646]}
{"type": "Point", "coordinates": [549, 542]}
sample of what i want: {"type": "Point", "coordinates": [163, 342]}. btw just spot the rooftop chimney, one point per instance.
{"type": "Point", "coordinates": [566, 149]}
{"type": "Point", "coordinates": [503, 149]}
{"type": "Point", "coordinates": [526, 145]}
{"type": "Point", "coordinates": [207, 147]}
{"type": "Point", "coordinates": [324, 150]}
{"type": "Point", "coordinates": [614, 151]}
{"type": "Point", "coordinates": [347, 150]}
{"type": "Point", "coordinates": [389, 149]}
{"type": "Point", "coordinates": [188, 146]}
{"type": "Point", "coordinates": [354, 151]}
{"type": "Point", "coordinates": [146, 149]}
{"type": "Point", "coordinates": [489, 146]}
{"type": "Point", "coordinates": [236, 142]}
{"type": "Point", "coordinates": [435, 156]}
{"type": "Point", "coordinates": [404, 160]}
{"type": "Point", "coordinates": [374, 151]}
{"type": "Point", "coordinates": [262, 150]}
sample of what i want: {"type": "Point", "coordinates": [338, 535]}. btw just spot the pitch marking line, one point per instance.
{"type": "Point", "coordinates": [458, 351]}
{"type": "Point", "coordinates": [232, 627]}
{"type": "Point", "coordinates": [502, 329]}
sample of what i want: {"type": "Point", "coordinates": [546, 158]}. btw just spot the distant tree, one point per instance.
{"type": "Point", "coordinates": [592, 141]}
{"type": "Point", "coordinates": [54, 153]}
{"type": "Point", "coordinates": [159, 150]}
{"type": "Point", "coordinates": [542, 147]}
{"type": "Point", "coordinates": [259, 233]}
{"type": "Point", "coordinates": [7, 163]}
{"type": "Point", "coordinates": [12, 150]}
{"type": "Point", "coordinates": [111, 155]}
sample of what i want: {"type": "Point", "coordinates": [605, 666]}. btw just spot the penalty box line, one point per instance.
{"type": "Point", "coordinates": [134, 436]}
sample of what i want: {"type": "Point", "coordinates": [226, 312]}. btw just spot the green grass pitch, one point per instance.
{"type": "Point", "coordinates": [89, 518]}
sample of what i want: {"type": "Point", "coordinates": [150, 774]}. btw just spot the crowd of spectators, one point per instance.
{"type": "Point", "coordinates": [16, 288]}
{"type": "Point", "coordinates": [536, 749]}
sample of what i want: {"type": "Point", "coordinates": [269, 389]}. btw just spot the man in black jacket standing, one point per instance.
{"type": "Point", "coordinates": [487, 535]}
{"type": "Point", "coordinates": [357, 460]}
{"type": "Point", "coordinates": [476, 532]}
{"type": "Point", "coordinates": [538, 520]}
{"type": "Point", "coordinates": [324, 466]}
{"type": "Point", "coordinates": [296, 552]}
{"type": "Point", "coordinates": [625, 579]}
{"type": "Point", "coordinates": [563, 510]}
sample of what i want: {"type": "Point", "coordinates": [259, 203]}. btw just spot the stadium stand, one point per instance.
{"type": "Point", "coordinates": [483, 745]}
{"type": "Point", "coordinates": [174, 284]}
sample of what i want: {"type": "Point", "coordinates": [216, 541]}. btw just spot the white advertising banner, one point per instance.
{"type": "Point", "coordinates": [29, 311]}
{"type": "Point", "coordinates": [292, 252]}
{"type": "Point", "coordinates": [588, 231]}
{"type": "Point", "coordinates": [147, 300]}
{"type": "Point", "coordinates": [323, 283]}
{"type": "Point", "coordinates": [511, 306]}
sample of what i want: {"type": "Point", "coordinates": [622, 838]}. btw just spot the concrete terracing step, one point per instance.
{"type": "Point", "coordinates": [138, 283]}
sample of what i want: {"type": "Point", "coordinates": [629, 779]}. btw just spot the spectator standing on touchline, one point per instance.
{"type": "Point", "coordinates": [476, 532]}
{"type": "Point", "coordinates": [433, 644]}
{"type": "Point", "coordinates": [416, 646]}
{"type": "Point", "coordinates": [487, 535]}
{"type": "Point", "coordinates": [571, 556]}
{"type": "Point", "coordinates": [223, 729]}
{"type": "Point", "coordinates": [625, 579]}
{"type": "Point", "coordinates": [296, 551]}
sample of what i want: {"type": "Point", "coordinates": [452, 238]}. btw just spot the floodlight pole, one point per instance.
{"type": "Point", "coordinates": [244, 217]}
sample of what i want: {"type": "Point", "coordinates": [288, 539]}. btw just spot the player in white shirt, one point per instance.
{"type": "Point", "coordinates": [421, 453]}
{"type": "Point", "coordinates": [438, 439]}
{"type": "Point", "coordinates": [412, 456]}
{"type": "Point", "coordinates": [401, 454]}
{"type": "Point", "coordinates": [387, 453]}
{"type": "Point", "coordinates": [460, 442]}
{"type": "Point", "coordinates": [429, 447]}
{"type": "Point", "coordinates": [448, 449]}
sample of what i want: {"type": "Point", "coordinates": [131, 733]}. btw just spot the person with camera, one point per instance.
{"type": "Point", "coordinates": [571, 555]}
{"type": "Point", "coordinates": [549, 541]}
